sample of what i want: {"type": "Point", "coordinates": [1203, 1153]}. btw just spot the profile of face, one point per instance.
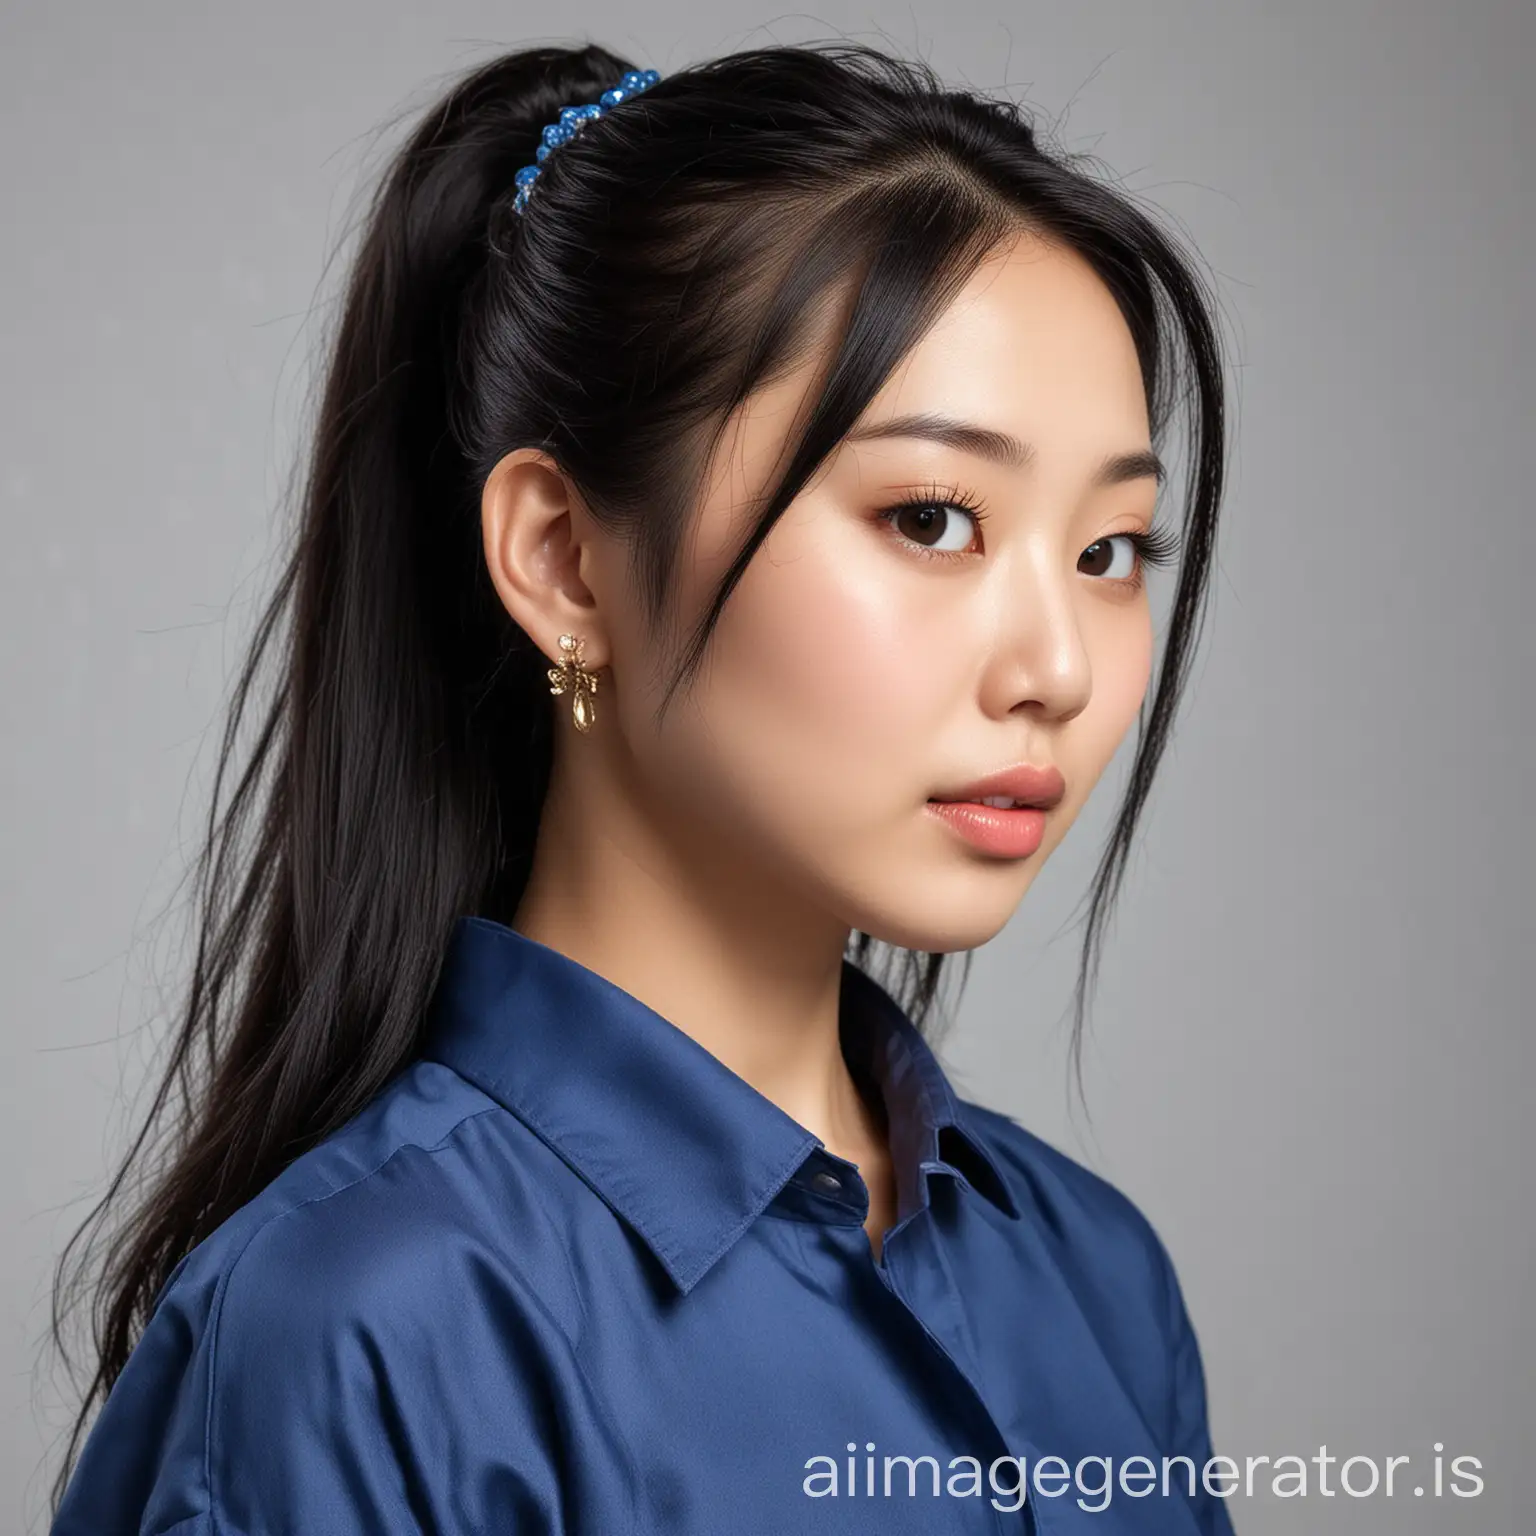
{"type": "Point", "coordinates": [924, 615]}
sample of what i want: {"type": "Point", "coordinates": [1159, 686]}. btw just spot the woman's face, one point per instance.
{"type": "Point", "coordinates": [868, 663]}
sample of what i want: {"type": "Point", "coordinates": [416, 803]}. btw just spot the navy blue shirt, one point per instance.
{"type": "Point", "coordinates": [568, 1273]}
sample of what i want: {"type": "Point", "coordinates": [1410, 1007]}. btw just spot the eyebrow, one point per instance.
{"type": "Point", "coordinates": [1003, 448]}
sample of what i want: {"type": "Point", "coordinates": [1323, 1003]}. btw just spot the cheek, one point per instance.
{"type": "Point", "coordinates": [1121, 684]}
{"type": "Point", "coordinates": [841, 659]}
{"type": "Point", "coordinates": [827, 688]}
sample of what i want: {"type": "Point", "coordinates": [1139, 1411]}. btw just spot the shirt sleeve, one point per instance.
{"type": "Point", "coordinates": [1191, 1434]}
{"type": "Point", "coordinates": [317, 1385]}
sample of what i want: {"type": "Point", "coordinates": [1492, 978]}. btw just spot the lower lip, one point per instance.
{"type": "Point", "coordinates": [1008, 834]}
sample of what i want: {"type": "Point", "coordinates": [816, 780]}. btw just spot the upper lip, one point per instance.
{"type": "Point", "coordinates": [1025, 783]}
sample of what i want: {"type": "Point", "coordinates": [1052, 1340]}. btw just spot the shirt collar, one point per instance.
{"type": "Point", "coordinates": [681, 1147]}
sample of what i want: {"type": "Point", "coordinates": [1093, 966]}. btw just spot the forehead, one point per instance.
{"type": "Point", "coordinates": [1033, 342]}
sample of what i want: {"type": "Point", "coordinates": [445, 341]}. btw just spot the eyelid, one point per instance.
{"type": "Point", "coordinates": [941, 494]}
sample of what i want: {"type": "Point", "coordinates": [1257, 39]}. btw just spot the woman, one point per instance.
{"type": "Point", "coordinates": [724, 551]}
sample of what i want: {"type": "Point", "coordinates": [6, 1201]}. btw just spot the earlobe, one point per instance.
{"type": "Point", "coordinates": [533, 526]}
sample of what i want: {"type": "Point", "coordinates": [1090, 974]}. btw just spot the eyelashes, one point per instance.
{"type": "Point", "coordinates": [1154, 547]}
{"type": "Point", "coordinates": [1158, 546]}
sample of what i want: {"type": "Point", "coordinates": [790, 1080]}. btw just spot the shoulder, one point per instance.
{"type": "Point", "coordinates": [396, 1280]}
{"type": "Point", "coordinates": [398, 1213]}
{"type": "Point", "coordinates": [383, 1291]}
{"type": "Point", "coordinates": [1097, 1233]}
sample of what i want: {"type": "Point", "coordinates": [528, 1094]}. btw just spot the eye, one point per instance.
{"type": "Point", "coordinates": [1138, 552]}
{"type": "Point", "coordinates": [1104, 559]}
{"type": "Point", "coordinates": [936, 527]}
{"type": "Point", "coordinates": [941, 522]}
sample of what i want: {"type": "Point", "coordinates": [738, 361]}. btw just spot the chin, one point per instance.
{"type": "Point", "coordinates": [946, 916]}
{"type": "Point", "coordinates": [923, 894]}
{"type": "Point", "coordinates": [931, 938]}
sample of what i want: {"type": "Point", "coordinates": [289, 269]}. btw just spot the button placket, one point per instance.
{"type": "Point", "coordinates": [1025, 1518]}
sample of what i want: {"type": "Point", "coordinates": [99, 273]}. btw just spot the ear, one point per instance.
{"type": "Point", "coordinates": [539, 552]}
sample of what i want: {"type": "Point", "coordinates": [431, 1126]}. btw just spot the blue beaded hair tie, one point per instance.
{"type": "Point", "coordinates": [572, 120]}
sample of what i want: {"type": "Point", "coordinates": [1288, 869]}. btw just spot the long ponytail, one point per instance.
{"type": "Point", "coordinates": [383, 795]}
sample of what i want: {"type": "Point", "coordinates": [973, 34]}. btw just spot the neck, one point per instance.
{"type": "Point", "coordinates": [709, 943]}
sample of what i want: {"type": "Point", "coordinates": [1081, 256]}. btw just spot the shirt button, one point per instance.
{"type": "Point", "coordinates": [827, 1181]}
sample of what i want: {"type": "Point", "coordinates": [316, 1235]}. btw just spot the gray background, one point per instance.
{"type": "Point", "coordinates": [1310, 1061]}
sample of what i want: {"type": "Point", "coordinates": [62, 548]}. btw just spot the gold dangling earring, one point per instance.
{"type": "Point", "coordinates": [572, 676]}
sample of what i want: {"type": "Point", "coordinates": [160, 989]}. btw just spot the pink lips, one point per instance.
{"type": "Point", "coordinates": [1039, 787]}
{"type": "Point", "coordinates": [1011, 834]}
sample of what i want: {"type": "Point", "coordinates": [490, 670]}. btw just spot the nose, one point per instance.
{"type": "Point", "coordinates": [1040, 659]}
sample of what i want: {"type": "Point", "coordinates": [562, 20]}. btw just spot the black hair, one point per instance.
{"type": "Point", "coordinates": [674, 258]}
